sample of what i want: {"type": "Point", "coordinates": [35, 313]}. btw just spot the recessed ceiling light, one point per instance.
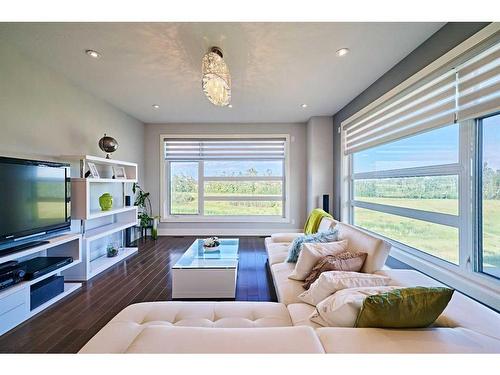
{"type": "Point", "coordinates": [230, 106]}
{"type": "Point", "coordinates": [155, 106]}
{"type": "Point", "coordinates": [92, 53]}
{"type": "Point", "coordinates": [303, 105]}
{"type": "Point", "coordinates": [342, 51]}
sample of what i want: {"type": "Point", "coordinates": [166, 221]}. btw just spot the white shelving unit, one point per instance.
{"type": "Point", "coordinates": [100, 228]}
{"type": "Point", "coordinates": [15, 304]}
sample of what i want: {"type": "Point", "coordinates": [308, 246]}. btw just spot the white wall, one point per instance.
{"type": "Point", "coordinates": [319, 161]}
{"type": "Point", "coordinates": [297, 175]}
{"type": "Point", "coordinates": [44, 115]}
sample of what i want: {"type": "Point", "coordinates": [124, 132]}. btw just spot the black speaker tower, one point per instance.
{"type": "Point", "coordinates": [326, 203]}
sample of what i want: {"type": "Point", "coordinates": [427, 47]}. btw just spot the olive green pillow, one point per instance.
{"type": "Point", "coordinates": [415, 307]}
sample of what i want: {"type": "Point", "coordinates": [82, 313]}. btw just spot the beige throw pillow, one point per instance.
{"type": "Point", "coordinates": [332, 281]}
{"type": "Point", "coordinates": [311, 253]}
{"type": "Point", "coordinates": [342, 308]}
{"type": "Point", "coordinates": [347, 261]}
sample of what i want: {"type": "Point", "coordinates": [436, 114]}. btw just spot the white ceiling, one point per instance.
{"type": "Point", "coordinates": [275, 67]}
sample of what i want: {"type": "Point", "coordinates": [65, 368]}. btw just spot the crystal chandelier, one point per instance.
{"type": "Point", "coordinates": [216, 81]}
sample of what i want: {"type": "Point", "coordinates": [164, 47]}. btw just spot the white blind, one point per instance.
{"type": "Point", "coordinates": [479, 85]}
{"type": "Point", "coordinates": [203, 149]}
{"type": "Point", "coordinates": [470, 90]}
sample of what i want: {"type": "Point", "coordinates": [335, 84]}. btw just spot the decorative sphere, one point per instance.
{"type": "Point", "coordinates": [108, 144]}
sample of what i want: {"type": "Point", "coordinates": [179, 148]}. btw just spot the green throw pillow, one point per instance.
{"type": "Point", "coordinates": [415, 307]}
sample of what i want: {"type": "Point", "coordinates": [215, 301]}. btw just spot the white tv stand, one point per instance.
{"type": "Point", "coordinates": [15, 306]}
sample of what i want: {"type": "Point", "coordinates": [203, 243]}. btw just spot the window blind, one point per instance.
{"type": "Point", "coordinates": [479, 85]}
{"type": "Point", "coordinates": [205, 149]}
{"type": "Point", "coordinates": [467, 91]}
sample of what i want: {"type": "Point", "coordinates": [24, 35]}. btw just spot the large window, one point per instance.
{"type": "Point", "coordinates": [422, 169]}
{"type": "Point", "coordinates": [220, 178]}
{"type": "Point", "coordinates": [489, 190]}
{"type": "Point", "coordinates": [407, 190]}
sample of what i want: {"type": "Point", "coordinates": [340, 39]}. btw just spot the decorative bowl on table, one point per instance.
{"type": "Point", "coordinates": [211, 244]}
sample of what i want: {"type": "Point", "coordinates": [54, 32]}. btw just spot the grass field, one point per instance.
{"type": "Point", "coordinates": [438, 240]}
{"type": "Point", "coordinates": [187, 203]}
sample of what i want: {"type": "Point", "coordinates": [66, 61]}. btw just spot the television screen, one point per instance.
{"type": "Point", "coordinates": [34, 197]}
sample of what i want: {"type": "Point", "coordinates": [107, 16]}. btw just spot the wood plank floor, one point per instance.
{"type": "Point", "coordinates": [69, 324]}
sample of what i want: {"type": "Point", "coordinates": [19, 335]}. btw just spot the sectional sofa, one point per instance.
{"type": "Point", "coordinates": [284, 327]}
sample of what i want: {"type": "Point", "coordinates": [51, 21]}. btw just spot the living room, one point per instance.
{"type": "Point", "coordinates": [219, 185]}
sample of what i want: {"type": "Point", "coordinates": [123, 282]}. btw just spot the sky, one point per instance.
{"type": "Point", "coordinates": [229, 168]}
{"type": "Point", "coordinates": [491, 145]}
{"type": "Point", "coordinates": [439, 146]}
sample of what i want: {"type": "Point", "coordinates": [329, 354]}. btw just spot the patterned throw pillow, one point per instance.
{"type": "Point", "coordinates": [346, 261]}
{"type": "Point", "coordinates": [327, 236]}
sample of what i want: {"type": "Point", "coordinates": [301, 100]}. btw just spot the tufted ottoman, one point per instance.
{"type": "Point", "coordinates": [127, 327]}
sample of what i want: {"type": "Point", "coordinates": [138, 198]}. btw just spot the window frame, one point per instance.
{"type": "Point", "coordinates": [453, 221]}
{"type": "Point", "coordinates": [478, 184]}
{"type": "Point", "coordinates": [166, 216]}
{"type": "Point", "coordinates": [466, 275]}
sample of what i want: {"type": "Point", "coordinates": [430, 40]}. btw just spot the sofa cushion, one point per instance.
{"type": "Point", "coordinates": [332, 281]}
{"type": "Point", "coordinates": [296, 246]}
{"type": "Point", "coordinates": [287, 290]}
{"type": "Point", "coordinates": [300, 313]}
{"type": "Point", "coordinates": [160, 339]}
{"type": "Point", "coordinates": [426, 340]}
{"type": "Point", "coordinates": [461, 311]}
{"type": "Point", "coordinates": [347, 261]}
{"type": "Point", "coordinates": [414, 307]}
{"type": "Point", "coordinates": [285, 237]}
{"type": "Point", "coordinates": [359, 241]}
{"type": "Point", "coordinates": [311, 253]}
{"type": "Point", "coordinates": [342, 308]}
{"type": "Point", "coordinates": [326, 224]}
{"type": "Point", "coordinates": [125, 326]}
{"type": "Point", "coordinates": [277, 252]}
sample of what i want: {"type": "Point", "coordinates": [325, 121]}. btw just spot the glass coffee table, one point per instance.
{"type": "Point", "coordinates": [206, 274]}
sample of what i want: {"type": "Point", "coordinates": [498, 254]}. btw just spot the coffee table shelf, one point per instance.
{"type": "Point", "coordinates": [206, 274]}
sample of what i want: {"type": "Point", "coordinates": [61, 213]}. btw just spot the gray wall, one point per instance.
{"type": "Point", "coordinates": [44, 115]}
{"type": "Point", "coordinates": [319, 160]}
{"type": "Point", "coordinates": [445, 39]}
{"type": "Point", "coordinates": [297, 177]}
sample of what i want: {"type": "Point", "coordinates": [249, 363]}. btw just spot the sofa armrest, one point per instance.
{"type": "Point", "coordinates": [285, 237]}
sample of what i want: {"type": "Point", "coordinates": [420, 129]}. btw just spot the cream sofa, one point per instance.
{"type": "Point", "coordinates": [284, 327]}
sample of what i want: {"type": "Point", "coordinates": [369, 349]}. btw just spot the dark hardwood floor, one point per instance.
{"type": "Point", "coordinates": [69, 324]}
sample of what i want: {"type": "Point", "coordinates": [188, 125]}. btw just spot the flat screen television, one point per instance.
{"type": "Point", "coordinates": [35, 198]}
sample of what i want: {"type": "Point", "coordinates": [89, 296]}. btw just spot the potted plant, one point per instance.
{"type": "Point", "coordinates": [145, 215]}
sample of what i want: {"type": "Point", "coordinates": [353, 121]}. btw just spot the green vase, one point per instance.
{"type": "Point", "coordinates": [106, 201]}
{"type": "Point", "coordinates": [154, 229]}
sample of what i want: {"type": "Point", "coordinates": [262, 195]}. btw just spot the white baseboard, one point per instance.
{"type": "Point", "coordinates": [223, 231]}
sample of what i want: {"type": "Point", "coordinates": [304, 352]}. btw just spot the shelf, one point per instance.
{"type": "Point", "coordinates": [68, 289]}
{"type": "Point", "coordinates": [99, 160]}
{"type": "Point", "coordinates": [94, 234]}
{"type": "Point", "coordinates": [103, 263]}
{"type": "Point", "coordinates": [96, 214]}
{"type": "Point", "coordinates": [107, 180]}
{"type": "Point", "coordinates": [24, 284]}
{"type": "Point", "coordinates": [55, 241]}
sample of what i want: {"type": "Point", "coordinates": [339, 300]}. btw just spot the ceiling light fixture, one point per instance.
{"type": "Point", "coordinates": [216, 80]}
{"type": "Point", "coordinates": [342, 52]}
{"type": "Point", "coordinates": [92, 53]}
{"type": "Point", "coordinates": [303, 105]}
{"type": "Point", "coordinates": [230, 106]}
{"type": "Point", "coordinates": [155, 106]}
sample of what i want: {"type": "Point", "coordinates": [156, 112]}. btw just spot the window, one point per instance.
{"type": "Point", "coordinates": [489, 191]}
{"type": "Point", "coordinates": [407, 190]}
{"type": "Point", "coordinates": [422, 169]}
{"type": "Point", "coordinates": [217, 178]}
